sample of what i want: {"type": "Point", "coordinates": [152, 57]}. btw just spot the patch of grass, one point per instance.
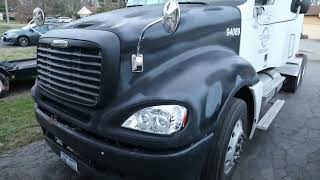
{"type": "Point", "coordinates": [14, 53]}
{"type": "Point", "coordinates": [13, 25]}
{"type": "Point", "coordinates": [18, 125]}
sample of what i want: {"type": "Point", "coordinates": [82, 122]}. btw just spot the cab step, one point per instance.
{"type": "Point", "coordinates": [273, 85]}
{"type": "Point", "coordinates": [270, 115]}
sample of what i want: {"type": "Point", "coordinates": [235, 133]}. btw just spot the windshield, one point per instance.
{"type": "Point", "coordinates": [150, 2]}
{"type": "Point", "coordinates": [27, 27]}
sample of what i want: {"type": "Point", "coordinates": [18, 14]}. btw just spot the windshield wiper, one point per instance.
{"type": "Point", "coordinates": [135, 5]}
{"type": "Point", "coordinates": [193, 2]}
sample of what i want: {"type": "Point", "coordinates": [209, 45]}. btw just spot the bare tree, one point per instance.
{"type": "Point", "coordinates": [73, 6]}
{"type": "Point", "coordinates": [24, 12]}
{"type": "Point", "coordinates": [315, 2]}
{"type": "Point", "coordinates": [62, 7]}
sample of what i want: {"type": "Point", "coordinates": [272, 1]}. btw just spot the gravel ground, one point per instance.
{"type": "Point", "coordinates": [290, 150]}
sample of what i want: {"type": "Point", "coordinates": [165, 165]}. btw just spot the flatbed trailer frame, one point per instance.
{"type": "Point", "coordinates": [15, 70]}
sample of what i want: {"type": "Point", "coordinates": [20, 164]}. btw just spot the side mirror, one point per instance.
{"type": "Point", "coordinates": [171, 16]}
{"type": "Point", "coordinates": [38, 19]}
{"type": "Point", "coordinates": [302, 5]}
{"type": "Point", "coordinates": [38, 16]}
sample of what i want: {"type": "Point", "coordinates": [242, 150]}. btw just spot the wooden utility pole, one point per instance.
{"type": "Point", "coordinates": [7, 10]}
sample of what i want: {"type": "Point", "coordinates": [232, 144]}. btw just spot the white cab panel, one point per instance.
{"type": "Point", "coordinates": [266, 46]}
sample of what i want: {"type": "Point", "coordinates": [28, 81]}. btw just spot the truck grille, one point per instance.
{"type": "Point", "coordinates": [72, 73]}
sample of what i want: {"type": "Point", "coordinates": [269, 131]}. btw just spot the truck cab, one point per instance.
{"type": "Point", "coordinates": [166, 89]}
{"type": "Point", "coordinates": [273, 44]}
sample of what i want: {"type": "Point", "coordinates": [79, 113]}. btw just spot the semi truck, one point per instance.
{"type": "Point", "coordinates": [166, 90]}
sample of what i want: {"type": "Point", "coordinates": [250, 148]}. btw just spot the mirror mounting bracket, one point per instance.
{"type": "Point", "coordinates": [258, 11]}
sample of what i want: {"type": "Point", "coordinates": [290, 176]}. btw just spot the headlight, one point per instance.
{"type": "Point", "coordinates": [165, 119]}
{"type": "Point", "coordinates": [12, 35]}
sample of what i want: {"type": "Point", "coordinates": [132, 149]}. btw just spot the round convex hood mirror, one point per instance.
{"type": "Point", "coordinates": [38, 16]}
{"type": "Point", "coordinates": [171, 16]}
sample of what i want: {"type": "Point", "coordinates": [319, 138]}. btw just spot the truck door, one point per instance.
{"type": "Point", "coordinates": [256, 37]}
{"type": "Point", "coordinates": [264, 15]}
{"type": "Point", "coordinates": [270, 33]}
{"type": "Point", "coordinates": [278, 31]}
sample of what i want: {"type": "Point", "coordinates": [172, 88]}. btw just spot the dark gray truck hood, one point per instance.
{"type": "Point", "coordinates": [200, 26]}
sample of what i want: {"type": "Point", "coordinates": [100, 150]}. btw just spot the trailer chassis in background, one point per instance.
{"type": "Point", "coordinates": [15, 70]}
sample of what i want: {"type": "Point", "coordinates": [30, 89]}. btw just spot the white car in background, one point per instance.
{"type": "Point", "coordinates": [64, 19]}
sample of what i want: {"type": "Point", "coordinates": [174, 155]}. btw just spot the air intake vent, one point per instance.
{"type": "Point", "coordinates": [72, 73]}
{"type": "Point", "coordinates": [83, 26]}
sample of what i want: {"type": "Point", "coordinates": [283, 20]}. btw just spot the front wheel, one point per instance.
{"type": "Point", "coordinates": [225, 154]}
{"type": "Point", "coordinates": [23, 41]}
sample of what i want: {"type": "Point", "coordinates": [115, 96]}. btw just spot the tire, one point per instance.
{"type": "Point", "coordinates": [292, 83]}
{"type": "Point", "coordinates": [219, 154]}
{"type": "Point", "coordinates": [23, 41]}
{"type": "Point", "coordinates": [4, 85]}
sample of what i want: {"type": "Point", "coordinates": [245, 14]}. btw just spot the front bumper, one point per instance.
{"type": "Point", "coordinates": [107, 159]}
{"type": "Point", "coordinates": [8, 40]}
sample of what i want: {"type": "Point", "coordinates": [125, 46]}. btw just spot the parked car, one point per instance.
{"type": "Point", "coordinates": [51, 20]}
{"type": "Point", "coordinates": [64, 19]}
{"type": "Point", "coordinates": [26, 36]}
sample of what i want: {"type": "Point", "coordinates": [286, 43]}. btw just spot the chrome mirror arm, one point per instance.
{"type": "Point", "coordinates": [29, 25]}
{"type": "Point", "coordinates": [143, 32]}
{"type": "Point", "coordinates": [171, 11]}
{"type": "Point", "coordinates": [137, 59]}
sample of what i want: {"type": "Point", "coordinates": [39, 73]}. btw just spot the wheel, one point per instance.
{"type": "Point", "coordinates": [292, 83]}
{"type": "Point", "coordinates": [4, 85]}
{"type": "Point", "coordinates": [23, 41]}
{"type": "Point", "coordinates": [225, 153]}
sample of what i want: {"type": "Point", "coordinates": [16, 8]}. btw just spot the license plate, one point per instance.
{"type": "Point", "coordinates": [69, 161]}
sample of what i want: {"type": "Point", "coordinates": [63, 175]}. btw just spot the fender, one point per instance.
{"type": "Point", "coordinates": [257, 92]}
{"type": "Point", "coordinates": [201, 79]}
{"type": "Point", "coordinates": [4, 71]}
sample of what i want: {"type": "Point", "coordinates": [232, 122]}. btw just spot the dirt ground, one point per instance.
{"type": "Point", "coordinates": [312, 27]}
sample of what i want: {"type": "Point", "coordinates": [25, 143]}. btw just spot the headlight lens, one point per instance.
{"type": "Point", "coordinates": [165, 119]}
